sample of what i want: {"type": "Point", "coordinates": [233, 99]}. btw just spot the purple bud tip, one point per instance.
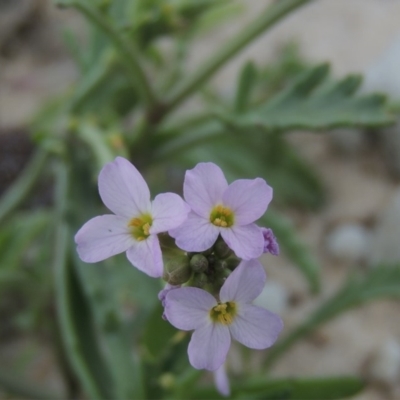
{"type": "Point", "coordinates": [270, 243]}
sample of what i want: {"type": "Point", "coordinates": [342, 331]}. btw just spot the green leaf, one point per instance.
{"type": "Point", "coordinates": [25, 228]}
{"type": "Point", "coordinates": [77, 328]}
{"type": "Point", "coordinates": [313, 102]}
{"type": "Point", "coordinates": [245, 156]}
{"type": "Point", "coordinates": [22, 187]}
{"type": "Point", "coordinates": [73, 312]}
{"type": "Point", "coordinates": [247, 80]}
{"type": "Point", "coordinates": [157, 334]}
{"type": "Point", "coordinates": [289, 389]}
{"type": "Point", "coordinates": [97, 283]}
{"type": "Point", "coordinates": [295, 250]}
{"type": "Point", "coordinates": [378, 282]}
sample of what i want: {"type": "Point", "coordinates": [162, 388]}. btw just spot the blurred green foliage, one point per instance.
{"type": "Point", "coordinates": [104, 320]}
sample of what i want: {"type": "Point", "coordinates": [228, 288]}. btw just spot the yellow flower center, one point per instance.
{"type": "Point", "coordinates": [224, 313]}
{"type": "Point", "coordinates": [222, 216]}
{"type": "Point", "coordinates": [140, 226]}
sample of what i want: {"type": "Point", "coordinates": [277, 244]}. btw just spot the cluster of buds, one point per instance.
{"type": "Point", "coordinates": [206, 270]}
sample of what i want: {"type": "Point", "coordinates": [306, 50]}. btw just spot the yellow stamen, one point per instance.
{"type": "Point", "coordinates": [224, 313]}
{"type": "Point", "coordinates": [140, 227]}
{"type": "Point", "coordinates": [222, 216]}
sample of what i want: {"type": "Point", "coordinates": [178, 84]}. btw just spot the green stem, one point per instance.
{"type": "Point", "coordinates": [96, 141]}
{"type": "Point", "coordinates": [265, 21]}
{"type": "Point", "coordinates": [20, 190]}
{"type": "Point", "coordinates": [128, 54]}
{"type": "Point", "coordinates": [96, 78]}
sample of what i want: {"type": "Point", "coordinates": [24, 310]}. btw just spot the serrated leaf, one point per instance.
{"type": "Point", "coordinates": [313, 102]}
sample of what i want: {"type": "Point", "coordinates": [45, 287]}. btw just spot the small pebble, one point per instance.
{"type": "Point", "coordinates": [383, 364]}
{"type": "Point", "coordinates": [349, 242]}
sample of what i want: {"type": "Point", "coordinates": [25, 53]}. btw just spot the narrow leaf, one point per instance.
{"type": "Point", "coordinates": [247, 79]}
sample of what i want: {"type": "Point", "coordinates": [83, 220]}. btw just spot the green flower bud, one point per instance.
{"type": "Point", "coordinates": [220, 265]}
{"type": "Point", "coordinates": [220, 277]}
{"type": "Point", "coordinates": [199, 263]}
{"type": "Point", "coordinates": [232, 262]}
{"type": "Point", "coordinates": [177, 270]}
{"type": "Point", "coordinates": [221, 249]}
{"type": "Point", "coordinates": [199, 280]}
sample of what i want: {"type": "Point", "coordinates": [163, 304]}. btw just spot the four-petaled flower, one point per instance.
{"type": "Point", "coordinates": [219, 208]}
{"type": "Point", "coordinates": [214, 322]}
{"type": "Point", "coordinates": [136, 222]}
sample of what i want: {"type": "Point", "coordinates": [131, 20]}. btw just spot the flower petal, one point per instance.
{"type": "Point", "coordinates": [123, 189]}
{"type": "Point", "coordinates": [188, 308]}
{"type": "Point", "coordinates": [270, 243]}
{"type": "Point", "coordinates": [103, 237]}
{"type": "Point", "coordinates": [255, 327]}
{"type": "Point", "coordinates": [245, 283]}
{"type": "Point", "coordinates": [246, 241]}
{"type": "Point", "coordinates": [146, 256]}
{"type": "Point", "coordinates": [203, 187]}
{"type": "Point", "coordinates": [195, 234]}
{"type": "Point", "coordinates": [168, 212]}
{"type": "Point", "coordinates": [248, 198]}
{"type": "Point", "coordinates": [221, 381]}
{"type": "Point", "coordinates": [209, 346]}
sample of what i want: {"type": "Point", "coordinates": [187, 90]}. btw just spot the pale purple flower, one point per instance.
{"type": "Point", "coordinates": [214, 322]}
{"type": "Point", "coordinates": [136, 222]}
{"type": "Point", "coordinates": [221, 381]}
{"type": "Point", "coordinates": [219, 208]}
{"type": "Point", "coordinates": [270, 243]}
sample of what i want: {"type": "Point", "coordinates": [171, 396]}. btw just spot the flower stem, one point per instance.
{"type": "Point", "coordinates": [266, 20]}
{"type": "Point", "coordinates": [128, 54]}
{"type": "Point", "coordinates": [19, 191]}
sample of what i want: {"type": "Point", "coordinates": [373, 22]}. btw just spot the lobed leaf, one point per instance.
{"type": "Point", "coordinates": [314, 102]}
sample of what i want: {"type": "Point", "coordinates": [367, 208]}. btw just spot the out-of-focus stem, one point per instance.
{"type": "Point", "coordinates": [128, 54]}
{"type": "Point", "coordinates": [21, 188]}
{"type": "Point", "coordinates": [266, 20]}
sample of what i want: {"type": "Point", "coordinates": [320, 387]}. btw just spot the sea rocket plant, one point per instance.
{"type": "Point", "coordinates": [136, 222]}
{"type": "Point", "coordinates": [222, 209]}
{"type": "Point", "coordinates": [215, 321]}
